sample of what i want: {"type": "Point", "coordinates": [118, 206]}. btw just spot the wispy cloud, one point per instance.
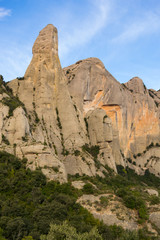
{"type": "Point", "coordinates": [88, 27]}
{"type": "Point", "coordinates": [4, 12]}
{"type": "Point", "coordinates": [14, 61]}
{"type": "Point", "coordinates": [148, 24]}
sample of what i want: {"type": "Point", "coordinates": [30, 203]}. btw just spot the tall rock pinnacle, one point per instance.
{"type": "Point", "coordinates": [47, 41]}
{"type": "Point", "coordinates": [45, 81]}
{"type": "Point", "coordinates": [45, 53]}
{"type": "Point", "coordinates": [46, 97]}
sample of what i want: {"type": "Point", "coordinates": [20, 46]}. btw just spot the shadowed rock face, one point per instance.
{"type": "Point", "coordinates": [81, 104]}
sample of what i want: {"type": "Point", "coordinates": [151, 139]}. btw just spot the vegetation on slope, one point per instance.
{"type": "Point", "coordinates": [126, 185]}
{"type": "Point", "coordinates": [11, 101]}
{"type": "Point", "coordinates": [29, 204]}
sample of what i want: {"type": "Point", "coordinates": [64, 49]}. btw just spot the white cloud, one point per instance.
{"type": "Point", "coordinates": [87, 28]}
{"type": "Point", "coordinates": [150, 23]}
{"type": "Point", "coordinates": [4, 12]}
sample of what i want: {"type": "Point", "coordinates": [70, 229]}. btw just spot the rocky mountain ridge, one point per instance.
{"type": "Point", "coordinates": [78, 119]}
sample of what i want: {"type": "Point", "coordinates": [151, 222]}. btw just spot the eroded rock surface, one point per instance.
{"type": "Point", "coordinates": [44, 92]}
{"type": "Point", "coordinates": [52, 115]}
{"type": "Point", "coordinates": [133, 110]}
{"type": "Point", "coordinates": [113, 213]}
{"type": "Point", "coordinates": [155, 219]}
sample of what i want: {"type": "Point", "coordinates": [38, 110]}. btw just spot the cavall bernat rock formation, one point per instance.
{"type": "Point", "coordinates": [78, 119]}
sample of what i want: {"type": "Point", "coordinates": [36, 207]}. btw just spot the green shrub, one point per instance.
{"type": "Point", "coordinates": [36, 117]}
{"type": "Point", "coordinates": [130, 201]}
{"type": "Point", "coordinates": [77, 153]}
{"type": "Point", "coordinates": [12, 103]}
{"type": "Point", "coordinates": [121, 192]}
{"type": "Point", "coordinates": [142, 211]}
{"type": "Point", "coordinates": [56, 169]}
{"type": "Point", "coordinates": [1, 79]}
{"type": "Point", "coordinates": [2, 85]}
{"type": "Point", "coordinates": [129, 160]}
{"type": "Point", "coordinates": [20, 78]}
{"type": "Point", "coordinates": [104, 201]}
{"type": "Point", "coordinates": [1, 234]}
{"type": "Point", "coordinates": [121, 170]}
{"type": "Point", "coordinates": [139, 154]}
{"type": "Point", "coordinates": [93, 150]}
{"type": "Point", "coordinates": [88, 188]}
{"type": "Point", "coordinates": [150, 146]}
{"type": "Point", "coordinates": [66, 231]}
{"type": "Point", "coordinates": [86, 122]}
{"type": "Point", "coordinates": [58, 119]}
{"type": "Point", "coordinates": [65, 152]}
{"type": "Point", "coordinates": [97, 163]}
{"type": "Point", "coordinates": [24, 138]}
{"type": "Point", "coordinates": [150, 179]}
{"type": "Point", "coordinates": [154, 200]}
{"type": "Point", "coordinates": [27, 238]}
{"type": "Point", "coordinates": [5, 140]}
{"type": "Point", "coordinates": [4, 88]}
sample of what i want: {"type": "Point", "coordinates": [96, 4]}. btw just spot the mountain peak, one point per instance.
{"type": "Point", "coordinates": [136, 84]}
{"type": "Point", "coordinates": [47, 40]}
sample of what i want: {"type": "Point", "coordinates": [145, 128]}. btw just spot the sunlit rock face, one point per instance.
{"type": "Point", "coordinates": [133, 110]}
{"type": "Point", "coordinates": [61, 113]}
{"type": "Point", "coordinates": [44, 88]}
{"type": "Point", "coordinates": [47, 100]}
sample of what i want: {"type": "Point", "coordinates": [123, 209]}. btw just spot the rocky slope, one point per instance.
{"type": "Point", "coordinates": [78, 119]}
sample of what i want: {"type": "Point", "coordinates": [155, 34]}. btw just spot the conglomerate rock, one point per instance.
{"type": "Point", "coordinates": [52, 114]}
{"type": "Point", "coordinates": [133, 110]}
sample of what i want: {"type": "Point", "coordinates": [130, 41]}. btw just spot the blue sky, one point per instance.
{"type": "Point", "coordinates": [123, 34]}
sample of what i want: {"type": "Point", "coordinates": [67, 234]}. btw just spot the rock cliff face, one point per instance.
{"type": "Point", "coordinates": [78, 119]}
{"type": "Point", "coordinates": [133, 110]}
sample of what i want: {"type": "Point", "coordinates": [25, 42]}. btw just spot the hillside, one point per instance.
{"type": "Point", "coordinates": [29, 204]}
{"type": "Point", "coordinates": [81, 127]}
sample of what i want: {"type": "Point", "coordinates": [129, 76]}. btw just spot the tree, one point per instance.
{"type": "Point", "coordinates": [27, 238]}
{"type": "Point", "coordinates": [1, 234]}
{"type": "Point", "coordinates": [67, 232]}
{"type": "Point", "coordinates": [15, 228]}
